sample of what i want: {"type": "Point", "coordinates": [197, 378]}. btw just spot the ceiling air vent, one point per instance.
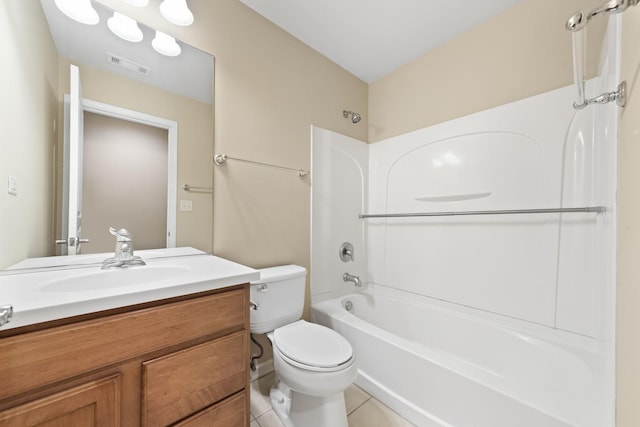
{"type": "Point", "coordinates": [128, 64]}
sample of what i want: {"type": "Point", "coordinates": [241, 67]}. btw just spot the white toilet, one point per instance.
{"type": "Point", "coordinates": [313, 364]}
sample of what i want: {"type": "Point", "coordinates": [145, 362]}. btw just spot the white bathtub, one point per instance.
{"type": "Point", "coordinates": [440, 364]}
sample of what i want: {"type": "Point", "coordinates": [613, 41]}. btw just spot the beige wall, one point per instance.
{"type": "Point", "coordinates": [628, 289]}
{"type": "Point", "coordinates": [522, 52]}
{"type": "Point", "coordinates": [270, 88]}
{"type": "Point", "coordinates": [195, 140]}
{"type": "Point", "coordinates": [28, 83]}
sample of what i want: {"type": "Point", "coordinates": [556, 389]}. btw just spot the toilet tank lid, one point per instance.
{"type": "Point", "coordinates": [281, 272]}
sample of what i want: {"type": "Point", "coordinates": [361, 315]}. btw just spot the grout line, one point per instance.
{"type": "Point", "coordinates": [258, 422]}
{"type": "Point", "coordinates": [359, 406]}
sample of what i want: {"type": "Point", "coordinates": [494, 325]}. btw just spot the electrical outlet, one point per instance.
{"type": "Point", "coordinates": [185, 205]}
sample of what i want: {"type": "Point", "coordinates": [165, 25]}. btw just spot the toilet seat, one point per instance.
{"type": "Point", "coordinates": [312, 347]}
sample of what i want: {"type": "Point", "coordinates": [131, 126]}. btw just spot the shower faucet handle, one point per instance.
{"type": "Point", "coordinates": [346, 252]}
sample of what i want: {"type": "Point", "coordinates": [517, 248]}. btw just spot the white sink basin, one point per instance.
{"type": "Point", "coordinates": [44, 295]}
{"type": "Point", "coordinates": [97, 280]}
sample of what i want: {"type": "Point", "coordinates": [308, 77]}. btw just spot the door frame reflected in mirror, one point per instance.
{"type": "Point", "coordinates": [138, 117]}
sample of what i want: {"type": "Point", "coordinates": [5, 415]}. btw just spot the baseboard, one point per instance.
{"type": "Point", "coordinates": [263, 367]}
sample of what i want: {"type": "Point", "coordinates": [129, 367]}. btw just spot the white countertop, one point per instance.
{"type": "Point", "coordinates": [42, 295]}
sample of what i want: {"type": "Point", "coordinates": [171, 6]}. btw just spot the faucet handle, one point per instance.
{"type": "Point", "coordinates": [122, 235]}
{"type": "Point", "coordinates": [346, 252]}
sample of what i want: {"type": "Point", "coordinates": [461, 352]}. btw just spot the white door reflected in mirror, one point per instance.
{"type": "Point", "coordinates": [123, 165]}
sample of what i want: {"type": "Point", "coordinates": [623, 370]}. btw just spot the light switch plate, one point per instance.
{"type": "Point", "coordinates": [186, 206]}
{"type": "Point", "coordinates": [12, 185]}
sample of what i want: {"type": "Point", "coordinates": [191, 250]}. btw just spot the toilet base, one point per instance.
{"type": "Point", "coordinates": [299, 410]}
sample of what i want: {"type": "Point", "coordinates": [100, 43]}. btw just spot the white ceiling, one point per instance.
{"type": "Point", "coordinates": [372, 38]}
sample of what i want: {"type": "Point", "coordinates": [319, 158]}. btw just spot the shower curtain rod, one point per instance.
{"type": "Point", "coordinates": [586, 209]}
{"type": "Point", "coordinates": [582, 18]}
{"type": "Point", "coordinates": [221, 160]}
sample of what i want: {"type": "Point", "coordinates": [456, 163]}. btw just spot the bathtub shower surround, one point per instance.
{"type": "Point", "coordinates": [338, 196]}
{"type": "Point", "coordinates": [463, 370]}
{"type": "Point", "coordinates": [509, 157]}
{"type": "Point", "coordinates": [479, 320]}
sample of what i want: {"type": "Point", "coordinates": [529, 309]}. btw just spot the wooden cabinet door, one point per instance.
{"type": "Point", "coordinates": [228, 413]}
{"type": "Point", "coordinates": [183, 383]}
{"type": "Point", "coordinates": [94, 404]}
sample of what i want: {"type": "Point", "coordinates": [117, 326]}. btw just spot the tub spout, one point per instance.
{"type": "Point", "coordinates": [351, 278]}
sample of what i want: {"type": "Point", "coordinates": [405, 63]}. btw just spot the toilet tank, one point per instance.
{"type": "Point", "coordinates": [279, 295]}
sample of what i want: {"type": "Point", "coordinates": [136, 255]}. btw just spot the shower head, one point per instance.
{"type": "Point", "coordinates": [355, 117]}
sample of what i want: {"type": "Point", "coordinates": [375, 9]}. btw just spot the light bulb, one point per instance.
{"type": "Point", "coordinates": [79, 10]}
{"type": "Point", "coordinates": [176, 12]}
{"type": "Point", "coordinates": [165, 44]}
{"type": "Point", "coordinates": [124, 27]}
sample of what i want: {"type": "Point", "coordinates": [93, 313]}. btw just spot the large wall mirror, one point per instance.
{"type": "Point", "coordinates": [148, 133]}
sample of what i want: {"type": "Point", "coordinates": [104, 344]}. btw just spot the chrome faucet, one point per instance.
{"type": "Point", "coordinates": [351, 278]}
{"type": "Point", "coordinates": [6, 313]}
{"type": "Point", "coordinates": [124, 251]}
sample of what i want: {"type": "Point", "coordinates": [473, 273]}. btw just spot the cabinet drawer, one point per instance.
{"type": "Point", "coordinates": [180, 384]}
{"type": "Point", "coordinates": [228, 413]}
{"type": "Point", "coordinates": [93, 344]}
{"type": "Point", "coordinates": [95, 404]}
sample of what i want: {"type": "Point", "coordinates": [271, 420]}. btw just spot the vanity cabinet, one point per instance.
{"type": "Point", "coordinates": [181, 361]}
{"type": "Point", "coordinates": [91, 404]}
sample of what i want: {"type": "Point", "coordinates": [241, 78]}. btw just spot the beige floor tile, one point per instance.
{"type": "Point", "coordinates": [354, 396]}
{"type": "Point", "coordinates": [374, 414]}
{"type": "Point", "coordinates": [260, 402]}
{"type": "Point", "coordinates": [269, 419]}
{"type": "Point", "coordinates": [254, 423]}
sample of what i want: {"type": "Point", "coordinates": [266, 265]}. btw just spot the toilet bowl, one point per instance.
{"type": "Point", "coordinates": [313, 364]}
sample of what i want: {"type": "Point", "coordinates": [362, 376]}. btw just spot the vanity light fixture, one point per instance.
{"type": "Point", "coordinates": [124, 27]}
{"type": "Point", "coordinates": [176, 12]}
{"type": "Point", "coordinates": [79, 10]}
{"type": "Point", "coordinates": [165, 44]}
{"type": "Point", "coordinates": [137, 3]}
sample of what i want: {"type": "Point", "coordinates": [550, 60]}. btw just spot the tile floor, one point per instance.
{"type": "Point", "coordinates": [362, 409]}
